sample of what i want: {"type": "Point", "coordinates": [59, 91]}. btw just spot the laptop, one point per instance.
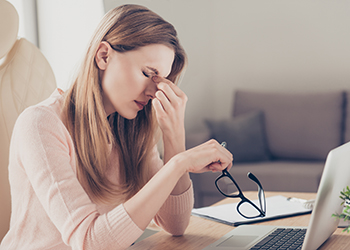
{"type": "Point", "coordinates": [335, 177]}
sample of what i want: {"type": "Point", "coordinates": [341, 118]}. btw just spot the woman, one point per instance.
{"type": "Point", "coordinates": [85, 172]}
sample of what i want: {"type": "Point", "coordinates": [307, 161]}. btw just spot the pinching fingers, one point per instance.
{"type": "Point", "coordinates": [176, 89]}
{"type": "Point", "coordinates": [159, 79]}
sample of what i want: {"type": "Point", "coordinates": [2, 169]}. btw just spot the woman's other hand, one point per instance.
{"type": "Point", "coordinates": [209, 156]}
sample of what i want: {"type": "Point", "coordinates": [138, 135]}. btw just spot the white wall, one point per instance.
{"type": "Point", "coordinates": [281, 45]}
{"type": "Point", "coordinates": [26, 10]}
{"type": "Point", "coordinates": [61, 29]}
{"type": "Point", "coordinates": [65, 28]}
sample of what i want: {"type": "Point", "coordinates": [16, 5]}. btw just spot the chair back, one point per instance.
{"type": "Point", "coordinates": [26, 78]}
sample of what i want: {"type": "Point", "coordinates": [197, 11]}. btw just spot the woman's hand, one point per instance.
{"type": "Point", "coordinates": [209, 156]}
{"type": "Point", "coordinates": [170, 104]}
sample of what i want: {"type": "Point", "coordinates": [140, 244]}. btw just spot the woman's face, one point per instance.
{"type": "Point", "coordinates": [126, 77]}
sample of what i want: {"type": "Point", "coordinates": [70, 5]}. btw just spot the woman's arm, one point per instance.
{"type": "Point", "coordinates": [170, 105]}
{"type": "Point", "coordinates": [145, 204]}
{"type": "Point", "coordinates": [46, 153]}
{"type": "Point", "coordinates": [43, 148]}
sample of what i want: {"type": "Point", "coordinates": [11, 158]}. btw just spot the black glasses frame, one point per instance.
{"type": "Point", "coordinates": [261, 210]}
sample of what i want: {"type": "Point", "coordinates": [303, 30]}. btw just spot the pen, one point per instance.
{"type": "Point", "coordinates": [224, 145]}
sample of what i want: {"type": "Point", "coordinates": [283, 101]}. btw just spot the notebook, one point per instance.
{"type": "Point", "coordinates": [335, 177]}
{"type": "Point", "coordinates": [277, 207]}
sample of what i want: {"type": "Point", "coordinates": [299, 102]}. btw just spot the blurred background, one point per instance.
{"type": "Point", "coordinates": [282, 45]}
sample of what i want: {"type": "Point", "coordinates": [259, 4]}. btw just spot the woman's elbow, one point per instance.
{"type": "Point", "coordinates": [176, 228]}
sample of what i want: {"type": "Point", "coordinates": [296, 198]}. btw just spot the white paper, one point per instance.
{"type": "Point", "coordinates": [276, 207]}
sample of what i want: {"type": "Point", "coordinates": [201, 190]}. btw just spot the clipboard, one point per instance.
{"type": "Point", "coordinates": [277, 207]}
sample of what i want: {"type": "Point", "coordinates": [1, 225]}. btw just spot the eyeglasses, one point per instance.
{"type": "Point", "coordinates": [227, 186]}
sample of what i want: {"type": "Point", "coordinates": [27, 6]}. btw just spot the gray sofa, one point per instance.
{"type": "Point", "coordinates": [282, 138]}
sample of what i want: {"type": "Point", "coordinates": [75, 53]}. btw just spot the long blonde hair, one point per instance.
{"type": "Point", "coordinates": [126, 28]}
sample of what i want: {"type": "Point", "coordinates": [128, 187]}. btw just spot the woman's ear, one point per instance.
{"type": "Point", "coordinates": [102, 54]}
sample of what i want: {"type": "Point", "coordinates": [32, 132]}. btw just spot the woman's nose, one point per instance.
{"type": "Point", "coordinates": [151, 88]}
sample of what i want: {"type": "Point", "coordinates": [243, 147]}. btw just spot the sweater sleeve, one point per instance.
{"type": "Point", "coordinates": [46, 153]}
{"type": "Point", "coordinates": [174, 215]}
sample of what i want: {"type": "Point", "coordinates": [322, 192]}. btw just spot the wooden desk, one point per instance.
{"type": "Point", "coordinates": [202, 232]}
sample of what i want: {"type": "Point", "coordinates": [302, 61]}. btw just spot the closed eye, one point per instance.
{"type": "Point", "coordinates": [145, 74]}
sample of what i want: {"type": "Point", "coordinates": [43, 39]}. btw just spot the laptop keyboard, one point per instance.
{"type": "Point", "coordinates": [282, 239]}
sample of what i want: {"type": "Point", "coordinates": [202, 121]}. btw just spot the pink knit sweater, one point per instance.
{"type": "Point", "coordinates": [50, 209]}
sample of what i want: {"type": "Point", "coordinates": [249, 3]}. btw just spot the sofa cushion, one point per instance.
{"type": "Point", "coordinates": [347, 120]}
{"type": "Point", "coordinates": [299, 126]}
{"type": "Point", "coordinates": [244, 135]}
